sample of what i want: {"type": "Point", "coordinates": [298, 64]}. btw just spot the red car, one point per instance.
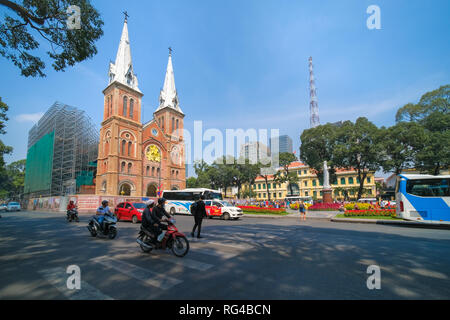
{"type": "Point", "coordinates": [130, 211]}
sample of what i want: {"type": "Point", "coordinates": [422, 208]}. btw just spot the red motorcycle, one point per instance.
{"type": "Point", "coordinates": [173, 239]}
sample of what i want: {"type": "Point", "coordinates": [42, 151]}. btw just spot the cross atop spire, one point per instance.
{"type": "Point", "coordinates": [122, 69]}
{"type": "Point", "coordinates": [126, 15]}
{"type": "Point", "coordinates": [170, 51]}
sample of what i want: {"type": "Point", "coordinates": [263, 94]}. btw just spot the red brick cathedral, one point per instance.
{"type": "Point", "coordinates": [136, 159]}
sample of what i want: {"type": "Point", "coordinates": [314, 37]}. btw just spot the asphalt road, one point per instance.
{"type": "Point", "coordinates": [253, 258]}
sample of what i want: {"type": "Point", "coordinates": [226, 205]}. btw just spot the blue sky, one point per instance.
{"type": "Point", "coordinates": [244, 64]}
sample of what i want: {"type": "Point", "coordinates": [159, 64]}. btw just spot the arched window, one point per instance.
{"type": "Point", "coordinates": [147, 171]}
{"type": "Point", "coordinates": [125, 101]}
{"type": "Point", "coordinates": [129, 168]}
{"type": "Point", "coordinates": [131, 107]}
{"type": "Point", "coordinates": [123, 146]}
{"type": "Point", "coordinates": [158, 172]}
{"type": "Point", "coordinates": [129, 148]}
{"type": "Point", "coordinates": [177, 123]}
{"type": "Point", "coordinates": [173, 124]}
{"type": "Point", "coordinates": [122, 167]}
{"type": "Point", "coordinates": [153, 171]}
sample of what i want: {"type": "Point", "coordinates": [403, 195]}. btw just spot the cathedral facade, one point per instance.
{"type": "Point", "coordinates": [134, 158]}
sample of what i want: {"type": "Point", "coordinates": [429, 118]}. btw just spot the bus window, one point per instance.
{"type": "Point", "coordinates": [428, 187]}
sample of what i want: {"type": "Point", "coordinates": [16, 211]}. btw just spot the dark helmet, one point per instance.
{"type": "Point", "coordinates": [161, 201]}
{"type": "Point", "coordinates": [105, 202]}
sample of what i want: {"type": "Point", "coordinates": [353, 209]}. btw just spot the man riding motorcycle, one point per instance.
{"type": "Point", "coordinates": [146, 215]}
{"type": "Point", "coordinates": [102, 211]}
{"type": "Point", "coordinates": [71, 207]}
{"type": "Point", "coordinates": [157, 215]}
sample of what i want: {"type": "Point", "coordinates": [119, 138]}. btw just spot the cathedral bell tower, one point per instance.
{"type": "Point", "coordinates": [169, 118]}
{"type": "Point", "coordinates": [119, 154]}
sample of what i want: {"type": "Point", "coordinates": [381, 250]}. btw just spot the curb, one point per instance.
{"type": "Point", "coordinates": [408, 224]}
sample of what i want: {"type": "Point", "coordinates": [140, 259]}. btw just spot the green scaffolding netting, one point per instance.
{"type": "Point", "coordinates": [38, 173]}
{"type": "Point", "coordinates": [85, 178]}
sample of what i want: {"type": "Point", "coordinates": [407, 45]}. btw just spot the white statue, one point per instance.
{"type": "Point", "coordinates": [326, 176]}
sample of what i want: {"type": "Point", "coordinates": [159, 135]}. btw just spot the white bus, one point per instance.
{"type": "Point", "coordinates": [423, 198]}
{"type": "Point", "coordinates": [180, 201]}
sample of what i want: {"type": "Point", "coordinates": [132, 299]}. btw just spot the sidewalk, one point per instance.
{"type": "Point", "coordinates": [411, 224]}
{"type": "Point", "coordinates": [295, 214]}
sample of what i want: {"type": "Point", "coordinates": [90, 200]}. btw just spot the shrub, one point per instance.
{"type": "Point", "coordinates": [371, 213]}
{"type": "Point", "coordinates": [361, 206]}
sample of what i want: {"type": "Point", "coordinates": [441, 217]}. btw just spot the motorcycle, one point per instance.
{"type": "Point", "coordinates": [173, 240]}
{"type": "Point", "coordinates": [96, 228]}
{"type": "Point", "coordinates": [72, 215]}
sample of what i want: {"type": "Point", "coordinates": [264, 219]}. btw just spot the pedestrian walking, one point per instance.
{"type": "Point", "coordinates": [199, 211]}
{"type": "Point", "coordinates": [302, 209]}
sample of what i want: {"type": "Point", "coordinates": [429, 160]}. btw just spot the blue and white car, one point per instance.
{"type": "Point", "coordinates": [13, 206]}
{"type": "Point", "coordinates": [3, 206]}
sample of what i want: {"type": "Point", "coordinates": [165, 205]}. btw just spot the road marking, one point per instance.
{"type": "Point", "coordinates": [152, 278]}
{"type": "Point", "coordinates": [57, 277]}
{"type": "Point", "coordinates": [216, 243]}
{"type": "Point", "coordinates": [185, 262]}
{"type": "Point", "coordinates": [211, 252]}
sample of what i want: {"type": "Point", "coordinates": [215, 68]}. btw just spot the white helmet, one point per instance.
{"type": "Point", "coordinates": [149, 203]}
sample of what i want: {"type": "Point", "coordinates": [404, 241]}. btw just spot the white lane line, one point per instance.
{"type": "Point", "coordinates": [224, 244]}
{"type": "Point", "coordinates": [152, 278]}
{"type": "Point", "coordinates": [211, 252]}
{"type": "Point", "coordinates": [57, 277]}
{"type": "Point", "coordinates": [185, 262]}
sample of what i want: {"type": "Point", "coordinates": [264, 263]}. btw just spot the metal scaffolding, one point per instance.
{"type": "Point", "coordinates": [75, 145]}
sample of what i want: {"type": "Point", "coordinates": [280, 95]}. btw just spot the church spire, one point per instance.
{"type": "Point", "coordinates": [168, 96]}
{"type": "Point", "coordinates": [122, 70]}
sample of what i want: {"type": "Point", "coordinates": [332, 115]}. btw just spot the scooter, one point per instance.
{"type": "Point", "coordinates": [72, 215]}
{"type": "Point", "coordinates": [173, 240]}
{"type": "Point", "coordinates": [96, 228]}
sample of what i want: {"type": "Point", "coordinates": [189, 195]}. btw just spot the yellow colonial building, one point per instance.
{"type": "Point", "coordinates": [309, 186]}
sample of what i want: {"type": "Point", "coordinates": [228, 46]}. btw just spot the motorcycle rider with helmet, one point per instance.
{"type": "Point", "coordinates": [71, 207]}
{"type": "Point", "coordinates": [102, 211]}
{"type": "Point", "coordinates": [146, 215]}
{"type": "Point", "coordinates": [157, 215]}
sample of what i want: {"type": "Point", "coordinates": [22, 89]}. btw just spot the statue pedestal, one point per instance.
{"type": "Point", "coordinates": [327, 196]}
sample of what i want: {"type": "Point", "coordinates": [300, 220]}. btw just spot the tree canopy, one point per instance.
{"type": "Point", "coordinates": [34, 22]}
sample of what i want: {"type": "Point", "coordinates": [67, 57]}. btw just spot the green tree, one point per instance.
{"type": "Point", "coordinates": [401, 144]}
{"type": "Point", "coordinates": [435, 154]}
{"type": "Point", "coordinates": [46, 20]}
{"type": "Point", "coordinates": [284, 176]}
{"type": "Point", "coordinates": [16, 178]}
{"type": "Point", "coordinates": [318, 145]}
{"type": "Point", "coordinates": [4, 150]}
{"type": "Point", "coordinates": [434, 101]}
{"type": "Point", "coordinates": [432, 112]}
{"type": "Point", "coordinates": [359, 148]}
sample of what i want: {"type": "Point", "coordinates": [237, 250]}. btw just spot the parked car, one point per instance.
{"type": "Point", "coordinates": [130, 211]}
{"type": "Point", "coordinates": [222, 209]}
{"type": "Point", "coordinates": [13, 206]}
{"type": "Point", "coordinates": [3, 206]}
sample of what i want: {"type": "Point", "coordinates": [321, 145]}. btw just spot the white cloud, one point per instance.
{"type": "Point", "coordinates": [29, 117]}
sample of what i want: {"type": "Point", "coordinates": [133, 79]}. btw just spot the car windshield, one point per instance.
{"type": "Point", "coordinates": [139, 205]}
{"type": "Point", "coordinates": [226, 204]}
{"type": "Point", "coordinates": [14, 203]}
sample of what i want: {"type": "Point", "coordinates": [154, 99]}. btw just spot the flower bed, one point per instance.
{"type": "Point", "coordinates": [294, 206]}
{"type": "Point", "coordinates": [253, 209]}
{"type": "Point", "coordinates": [325, 207]}
{"type": "Point", "coordinates": [370, 213]}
